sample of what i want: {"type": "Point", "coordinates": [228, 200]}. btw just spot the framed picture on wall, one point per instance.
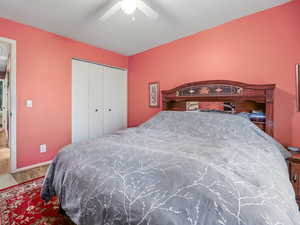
{"type": "Point", "coordinates": [154, 97]}
{"type": "Point", "coordinates": [298, 86]}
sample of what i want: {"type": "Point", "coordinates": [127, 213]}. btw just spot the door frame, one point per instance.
{"type": "Point", "coordinates": [13, 104]}
{"type": "Point", "coordinates": [100, 64]}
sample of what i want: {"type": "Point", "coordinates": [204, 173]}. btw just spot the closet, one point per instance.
{"type": "Point", "coordinates": [99, 100]}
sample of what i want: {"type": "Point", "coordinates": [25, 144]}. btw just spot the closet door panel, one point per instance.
{"type": "Point", "coordinates": [122, 93]}
{"type": "Point", "coordinates": [115, 99]}
{"type": "Point", "coordinates": [95, 101]}
{"type": "Point", "coordinates": [80, 103]}
{"type": "Point", "coordinates": [110, 113]}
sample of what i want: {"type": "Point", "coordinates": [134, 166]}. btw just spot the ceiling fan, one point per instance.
{"type": "Point", "coordinates": [129, 7]}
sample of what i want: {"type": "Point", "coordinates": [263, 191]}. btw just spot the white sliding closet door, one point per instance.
{"type": "Point", "coordinates": [99, 100]}
{"type": "Point", "coordinates": [80, 103]}
{"type": "Point", "coordinates": [95, 100]}
{"type": "Point", "coordinates": [115, 99]}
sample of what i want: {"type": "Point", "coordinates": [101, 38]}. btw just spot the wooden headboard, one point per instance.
{"type": "Point", "coordinates": [244, 97]}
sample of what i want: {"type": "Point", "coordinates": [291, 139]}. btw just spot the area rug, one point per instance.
{"type": "Point", "coordinates": [21, 204]}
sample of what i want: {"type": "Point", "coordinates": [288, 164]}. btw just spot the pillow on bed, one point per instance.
{"type": "Point", "coordinates": [210, 125]}
{"type": "Point", "coordinates": [244, 115]}
{"type": "Point", "coordinates": [203, 124]}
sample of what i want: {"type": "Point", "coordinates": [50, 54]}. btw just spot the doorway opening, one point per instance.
{"type": "Point", "coordinates": [5, 59]}
{"type": "Point", "coordinates": [8, 154]}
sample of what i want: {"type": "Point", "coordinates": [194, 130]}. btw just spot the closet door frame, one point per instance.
{"type": "Point", "coordinates": [104, 65]}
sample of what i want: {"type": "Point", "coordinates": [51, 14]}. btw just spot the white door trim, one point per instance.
{"type": "Point", "coordinates": [13, 104]}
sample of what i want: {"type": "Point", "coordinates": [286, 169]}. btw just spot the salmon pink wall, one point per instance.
{"type": "Point", "coordinates": [44, 75]}
{"type": "Point", "coordinates": [260, 48]}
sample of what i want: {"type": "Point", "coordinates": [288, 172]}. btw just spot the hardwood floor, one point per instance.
{"type": "Point", "coordinates": [4, 160]}
{"type": "Point", "coordinates": [6, 180]}
{"type": "Point", "coordinates": [4, 153]}
{"type": "Point", "coordinates": [10, 179]}
{"type": "Point", "coordinates": [26, 175]}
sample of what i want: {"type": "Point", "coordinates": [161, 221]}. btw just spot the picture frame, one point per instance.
{"type": "Point", "coordinates": [298, 86]}
{"type": "Point", "coordinates": [154, 94]}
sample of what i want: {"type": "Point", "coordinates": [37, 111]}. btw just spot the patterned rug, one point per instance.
{"type": "Point", "coordinates": [21, 204]}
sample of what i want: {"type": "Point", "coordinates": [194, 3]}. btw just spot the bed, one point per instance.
{"type": "Point", "coordinates": [179, 168]}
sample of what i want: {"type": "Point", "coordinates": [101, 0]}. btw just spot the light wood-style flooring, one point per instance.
{"type": "Point", "coordinates": [26, 175]}
{"type": "Point", "coordinates": [4, 160]}
{"type": "Point", "coordinates": [10, 179]}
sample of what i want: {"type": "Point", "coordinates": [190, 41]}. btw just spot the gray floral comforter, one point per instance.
{"type": "Point", "coordinates": [179, 168]}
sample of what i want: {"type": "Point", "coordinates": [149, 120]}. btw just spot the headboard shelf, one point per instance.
{"type": "Point", "coordinates": [261, 98]}
{"type": "Point", "coordinates": [245, 97]}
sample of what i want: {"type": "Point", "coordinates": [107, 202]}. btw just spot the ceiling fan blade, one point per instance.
{"type": "Point", "coordinates": [147, 10]}
{"type": "Point", "coordinates": [111, 11]}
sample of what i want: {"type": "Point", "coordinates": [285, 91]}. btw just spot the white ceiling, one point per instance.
{"type": "Point", "coordinates": [77, 19]}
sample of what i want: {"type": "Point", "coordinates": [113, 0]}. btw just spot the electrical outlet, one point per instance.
{"type": "Point", "coordinates": [43, 148]}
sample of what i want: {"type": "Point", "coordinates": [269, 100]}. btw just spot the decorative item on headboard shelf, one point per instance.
{"type": "Point", "coordinates": [219, 94]}
{"type": "Point", "coordinates": [210, 89]}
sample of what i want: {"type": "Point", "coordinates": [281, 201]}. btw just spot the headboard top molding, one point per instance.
{"type": "Point", "coordinates": [218, 83]}
{"type": "Point", "coordinates": [223, 91]}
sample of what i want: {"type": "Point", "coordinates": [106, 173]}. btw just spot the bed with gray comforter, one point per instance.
{"type": "Point", "coordinates": [179, 168]}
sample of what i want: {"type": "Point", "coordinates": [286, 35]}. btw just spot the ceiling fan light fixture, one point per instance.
{"type": "Point", "coordinates": [128, 6]}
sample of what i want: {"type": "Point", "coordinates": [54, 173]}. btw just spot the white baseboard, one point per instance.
{"type": "Point", "coordinates": [32, 166]}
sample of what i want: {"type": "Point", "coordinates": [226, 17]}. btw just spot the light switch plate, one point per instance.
{"type": "Point", "coordinates": [29, 103]}
{"type": "Point", "coordinates": [43, 148]}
